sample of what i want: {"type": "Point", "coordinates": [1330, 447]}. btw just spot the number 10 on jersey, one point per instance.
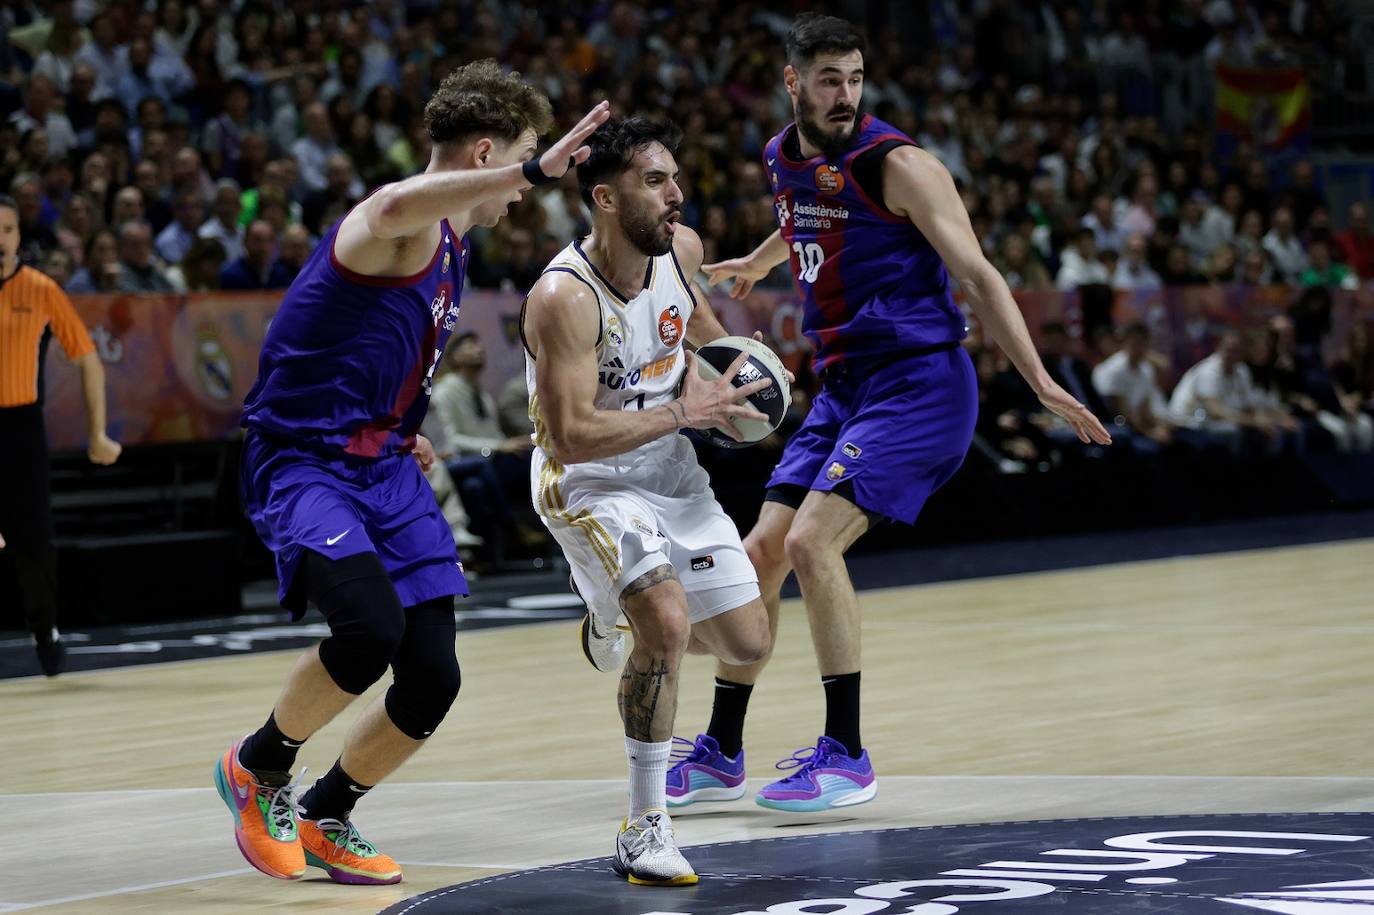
{"type": "Point", "coordinates": [810, 256]}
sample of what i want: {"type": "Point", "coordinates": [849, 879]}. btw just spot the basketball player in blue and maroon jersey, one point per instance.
{"type": "Point", "coordinates": [332, 477]}
{"type": "Point", "coordinates": [870, 223]}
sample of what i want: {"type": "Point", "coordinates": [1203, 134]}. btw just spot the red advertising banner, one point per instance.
{"type": "Point", "coordinates": [178, 367]}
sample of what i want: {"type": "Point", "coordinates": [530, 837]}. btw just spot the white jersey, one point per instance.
{"type": "Point", "coordinates": [639, 345]}
{"type": "Point", "coordinates": [622, 516]}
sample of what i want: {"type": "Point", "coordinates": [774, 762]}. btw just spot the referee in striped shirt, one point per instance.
{"type": "Point", "coordinates": [31, 305]}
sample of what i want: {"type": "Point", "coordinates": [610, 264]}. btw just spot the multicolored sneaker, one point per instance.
{"type": "Point", "coordinates": [346, 856]}
{"type": "Point", "coordinates": [264, 809]}
{"type": "Point", "coordinates": [646, 853]}
{"type": "Point", "coordinates": [826, 777]}
{"type": "Point", "coordinates": [702, 773]}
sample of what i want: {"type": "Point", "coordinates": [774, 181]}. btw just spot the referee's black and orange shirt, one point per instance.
{"type": "Point", "coordinates": [31, 302]}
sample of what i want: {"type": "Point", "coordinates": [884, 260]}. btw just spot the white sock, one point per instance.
{"type": "Point", "coordinates": [648, 775]}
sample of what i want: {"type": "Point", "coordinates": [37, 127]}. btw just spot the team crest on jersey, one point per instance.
{"type": "Point", "coordinates": [670, 326]}
{"type": "Point", "coordinates": [448, 256]}
{"type": "Point", "coordinates": [829, 180]}
{"type": "Point", "coordinates": [835, 472]}
{"type": "Point", "coordinates": [615, 337]}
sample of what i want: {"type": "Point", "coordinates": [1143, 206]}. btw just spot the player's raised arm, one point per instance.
{"type": "Point", "coordinates": [748, 270]}
{"type": "Point", "coordinates": [917, 185]}
{"type": "Point", "coordinates": [561, 327]}
{"type": "Point", "coordinates": [409, 206]}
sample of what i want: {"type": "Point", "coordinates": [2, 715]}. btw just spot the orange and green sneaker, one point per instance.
{"type": "Point", "coordinates": [345, 855]}
{"type": "Point", "coordinates": [263, 805]}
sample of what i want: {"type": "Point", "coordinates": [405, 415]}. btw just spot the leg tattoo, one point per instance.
{"type": "Point", "coordinates": [654, 576]}
{"type": "Point", "coordinates": [640, 691]}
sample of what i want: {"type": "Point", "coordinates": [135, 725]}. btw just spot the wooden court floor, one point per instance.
{"type": "Point", "coordinates": [1231, 683]}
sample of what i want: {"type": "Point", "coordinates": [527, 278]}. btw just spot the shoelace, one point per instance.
{"type": "Point", "coordinates": [282, 806]}
{"type": "Point", "coordinates": [685, 751]}
{"type": "Point", "coordinates": [656, 837]}
{"type": "Point", "coordinates": [803, 760]}
{"type": "Point", "coordinates": [346, 836]}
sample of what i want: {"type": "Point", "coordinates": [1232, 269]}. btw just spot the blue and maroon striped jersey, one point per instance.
{"type": "Point", "coordinates": [871, 285]}
{"type": "Point", "coordinates": [348, 361]}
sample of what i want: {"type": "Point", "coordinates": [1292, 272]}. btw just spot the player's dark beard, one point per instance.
{"type": "Point", "coordinates": [831, 144]}
{"type": "Point", "coordinates": [645, 232]}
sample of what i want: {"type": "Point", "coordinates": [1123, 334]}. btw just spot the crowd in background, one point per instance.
{"type": "Point", "coordinates": [191, 146]}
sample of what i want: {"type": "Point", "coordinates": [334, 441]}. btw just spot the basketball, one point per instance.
{"type": "Point", "coordinates": [714, 359]}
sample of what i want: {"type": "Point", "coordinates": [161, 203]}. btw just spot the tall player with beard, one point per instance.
{"type": "Point", "coordinates": [610, 385]}
{"type": "Point", "coordinates": [871, 224]}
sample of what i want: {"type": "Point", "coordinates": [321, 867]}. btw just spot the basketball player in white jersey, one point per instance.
{"type": "Point", "coordinates": [610, 387]}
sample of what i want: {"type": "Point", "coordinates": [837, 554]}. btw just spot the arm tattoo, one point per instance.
{"type": "Point", "coordinates": [673, 408]}
{"type": "Point", "coordinates": [640, 691]}
{"type": "Point", "coordinates": [654, 576]}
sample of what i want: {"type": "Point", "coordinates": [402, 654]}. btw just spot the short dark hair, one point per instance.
{"type": "Point", "coordinates": [614, 146]}
{"type": "Point", "coordinates": [817, 33]}
{"type": "Point", "coordinates": [479, 98]}
{"type": "Point", "coordinates": [7, 201]}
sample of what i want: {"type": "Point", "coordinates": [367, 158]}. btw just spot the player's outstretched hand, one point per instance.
{"type": "Point", "coordinates": [572, 149]}
{"type": "Point", "coordinates": [712, 404]}
{"type": "Point", "coordinates": [424, 453]}
{"type": "Point", "coordinates": [103, 450]}
{"type": "Point", "coordinates": [1088, 427]}
{"type": "Point", "coordinates": [2, 541]}
{"type": "Point", "coordinates": [742, 270]}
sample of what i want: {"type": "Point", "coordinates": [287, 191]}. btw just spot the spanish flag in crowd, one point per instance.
{"type": "Point", "coordinates": [1270, 108]}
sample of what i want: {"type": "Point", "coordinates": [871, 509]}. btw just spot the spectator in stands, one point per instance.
{"type": "Point", "coordinates": [1353, 369]}
{"type": "Point", "coordinates": [341, 190]}
{"type": "Point", "coordinates": [176, 239]}
{"type": "Point", "coordinates": [1068, 370]}
{"type": "Point", "coordinates": [258, 268]}
{"type": "Point", "coordinates": [1250, 236]}
{"type": "Point", "coordinates": [138, 269]}
{"type": "Point", "coordinates": [1128, 382]}
{"type": "Point", "coordinates": [1191, 234]}
{"type": "Point", "coordinates": [1307, 382]}
{"type": "Point", "coordinates": [1356, 242]}
{"type": "Point", "coordinates": [1134, 272]}
{"type": "Point", "coordinates": [223, 135]}
{"type": "Point", "coordinates": [223, 224]}
{"type": "Point", "coordinates": [103, 52]}
{"type": "Point", "coordinates": [1020, 266]}
{"type": "Point", "coordinates": [198, 270]}
{"type": "Point", "coordinates": [1322, 271]}
{"type": "Point", "coordinates": [36, 238]}
{"type": "Point", "coordinates": [1004, 433]}
{"type": "Point", "coordinates": [149, 182]}
{"type": "Point", "coordinates": [163, 76]}
{"type": "Point", "coordinates": [1220, 221]}
{"type": "Point", "coordinates": [489, 466]}
{"type": "Point", "coordinates": [188, 175]}
{"type": "Point", "coordinates": [1217, 398]}
{"type": "Point", "coordinates": [312, 152]}
{"type": "Point", "coordinates": [1303, 197]}
{"type": "Point", "coordinates": [100, 265]}
{"type": "Point", "coordinates": [1079, 265]}
{"type": "Point", "coordinates": [1102, 220]}
{"type": "Point", "coordinates": [1284, 247]}
{"type": "Point", "coordinates": [128, 206]}
{"type": "Point", "coordinates": [1254, 270]}
{"type": "Point", "coordinates": [295, 249]}
{"type": "Point", "coordinates": [59, 266]}
{"type": "Point", "coordinates": [42, 112]}
{"type": "Point", "coordinates": [1222, 268]}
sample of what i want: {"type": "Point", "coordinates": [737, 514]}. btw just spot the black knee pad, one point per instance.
{"type": "Point", "coordinates": [366, 620]}
{"type": "Point", "coordinates": [427, 676]}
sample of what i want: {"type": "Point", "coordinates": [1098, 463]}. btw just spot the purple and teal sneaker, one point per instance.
{"type": "Point", "coordinates": [826, 777]}
{"type": "Point", "coordinates": [703, 773]}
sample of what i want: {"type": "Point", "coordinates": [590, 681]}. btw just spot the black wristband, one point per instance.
{"type": "Point", "coordinates": [535, 175]}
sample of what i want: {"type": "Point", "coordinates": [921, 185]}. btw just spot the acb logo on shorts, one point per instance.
{"type": "Point", "coordinates": [702, 563]}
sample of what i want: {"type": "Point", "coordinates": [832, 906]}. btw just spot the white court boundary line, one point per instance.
{"type": "Point", "coordinates": [488, 783]}
{"type": "Point", "coordinates": [122, 891]}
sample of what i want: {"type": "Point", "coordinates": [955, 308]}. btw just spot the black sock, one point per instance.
{"type": "Point", "coordinates": [727, 715]}
{"type": "Point", "coordinates": [333, 796]}
{"type": "Point", "coordinates": [268, 750]}
{"type": "Point", "coordinates": [842, 711]}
